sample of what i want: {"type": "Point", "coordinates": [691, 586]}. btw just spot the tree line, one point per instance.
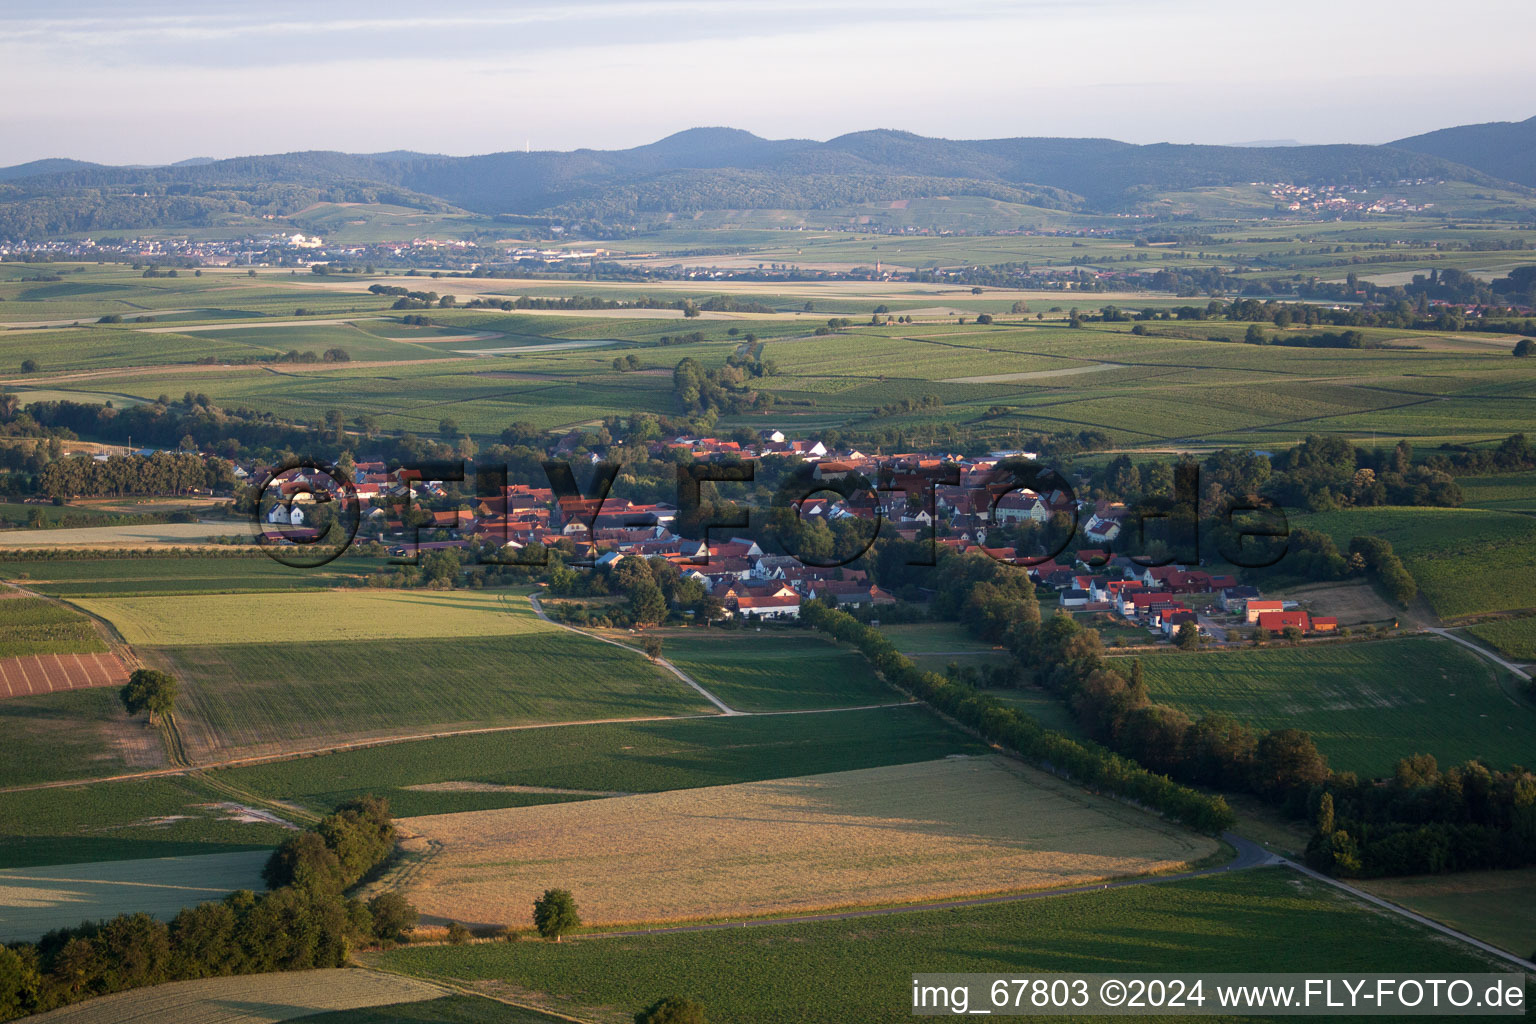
{"type": "Point", "coordinates": [303, 922]}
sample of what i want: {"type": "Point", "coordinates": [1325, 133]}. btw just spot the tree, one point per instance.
{"type": "Point", "coordinates": [554, 913]}
{"type": "Point", "coordinates": [29, 366]}
{"type": "Point", "coordinates": [1188, 636]}
{"type": "Point", "coordinates": [985, 318]}
{"type": "Point", "coordinates": [646, 604]}
{"type": "Point", "coordinates": [1255, 335]}
{"type": "Point", "coordinates": [652, 647]}
{"type": "Point", "coordinates": [457, 933]}
{"type": "Point", "coordinates": [149, 690]}
{"type": "Point", "coordinates": [672, 1010]}
{"type": "Point", "coordinates": [1524, 347]}
{"type": "Point", "coordinates": [1325, 815]}
{"type": "Point", "coordinates": [1291, 634]}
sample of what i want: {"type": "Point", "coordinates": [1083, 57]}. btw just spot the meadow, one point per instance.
{"type": "Point", "coordinates": [859, 971]}
{"type": "Point", "coordinates": [771, 672]}
{"type": "Point", "coordinates": [1365, 704]}
{"type": "Point", "coordinates": [444, 1010]}
{"type": "Point", "coordinates": [632, 757]}
{"type": "Point", "coordinates": [1503, 492]}
{"type": "Point", "coordinates": [258, 698]}
{"type": "Point", "coordinates": [898, 834]}
{"type": "Point", "coordinates": [32, 625]}
{"type": "Point", "coordinates": [315, 616]}
{"type": "Point", "coordinates": [1466, 561]}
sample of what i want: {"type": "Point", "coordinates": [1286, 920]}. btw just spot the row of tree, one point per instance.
{"type": "Point", "coordinates": [1087, 763]}
{"type": "Point", "coordinates": [302, 923]}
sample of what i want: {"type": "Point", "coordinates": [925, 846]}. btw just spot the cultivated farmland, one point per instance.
{"type": "Point", "coordinates": [242, 699]}
{"type": "Point", "coordinates": [129, 820]}
{"type": "Point", "coordinates": [860, 970]}
{"type": "Point", "coordinates": [34, 901]}
{"type": "Point", "coordinates": [315, 616]}
{"type": "Point", "coordinates": [255, 999]}
{"type": "Point", "coordinates": [899, 834]}
{"type": "Point", "coordinates": [31, 625]}
{"type": "Point", "coordinates": [146, 535]}
{"type": "Point", "coordinates": [1465, 561]}
{"type": "Point", "coordinates": [768, 672]}
{"type": "Point", "coordinates": [1366, 704]}
{"type": "Point", "coordinates": [73, 734]}
{"type": "Point", "coordinates": [1515, 638]}
{"type": "Point", "coordinates": [633, 757]}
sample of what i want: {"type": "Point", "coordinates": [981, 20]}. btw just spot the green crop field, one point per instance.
{"type": "Point", "coordinates": [859, 971]}
{"type": "Point", "coordinates": [32, 625]}
{"type": "Point", "coordinates": [159, 577]}
{"type": "Point", "coordinates": [315, 616]}
{"type": "Point", "coordinates": [774, 672]}
{"type": "Point", "coordinates": [637, 757]}
{"type": "Point", "coordinates": [1504, 492]}
{"type": "Point", "coordinates": [1366, 704]}
{"type": "Point", "coordinates": [1465, 561]}
{"type": "Point", "coordinates": [934, 638]}
{"type": "Point", "coordinates": [124, 821]}
{"type": "Point", "coordinates": [447, 1010]}
{"type": "Point", "coordinates": [254, 698]}
{"type": "Point", "coordinates": [1515, 638]}
{"type": "Point", "coordinates": [68, 735]}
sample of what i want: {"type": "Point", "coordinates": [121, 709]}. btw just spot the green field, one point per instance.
{"type": "Point", "coordinates": [158, 577]}
{"type": "Point", "coordinates": [447, 1010]}
{"type": "Point", "coordinates": [250, 698]}
{"type": "Point", "coordinates": [1365, 704]}
{"type": "Point", "coordinates": [68, 735]}
{"type": "Point", "coordinates": [32, 625]}
{"type": "Point", "coordinates": [1504, 492]}
{"type": "Point", "coordinates": [1514, 638]}
{"type": "Point", "coordinates": [1495, 906]}
{"type": "Point", "coordinates": [934, 638]}
{"type": "Point", "coordinates": [859, 971]}
{"type": "Point", "coordinates": [638, 757]}
{"type": "Point", "coordinates": [775, 672]}
{"type": "Point", "coordinates": [1466, 561]}
{"type": "Point", "coordinates": [316, 616]}
{"type": "Point", "coordinates": [123, 821]}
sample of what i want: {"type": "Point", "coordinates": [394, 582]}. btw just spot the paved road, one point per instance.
{"type": "Point", "coordinates": [1485, 652]}
{"type": "Point", "coordinates": [725, 708]}
{"type": "Point", "coordinates": [1249, 855]}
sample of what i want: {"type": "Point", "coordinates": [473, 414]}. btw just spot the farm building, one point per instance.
{"type": "Point", "coordinates": [1276, 621]}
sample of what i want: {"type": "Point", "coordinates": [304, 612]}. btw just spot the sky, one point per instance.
{"type": "Point", "coordinates": [154, 82]}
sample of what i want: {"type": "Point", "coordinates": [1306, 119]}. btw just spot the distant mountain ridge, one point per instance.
{"type": "Point", "coordinates": [1503, 149]}
{"type": "Point", "coordinates": [727, 168]}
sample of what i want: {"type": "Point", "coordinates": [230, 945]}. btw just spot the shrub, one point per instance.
{"type": "Point", "coordinates": [457, 933]}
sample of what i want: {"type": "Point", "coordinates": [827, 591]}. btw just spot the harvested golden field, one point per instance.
{"type": "Point", "coordinates": [963, 826]}
{"type": "Point", "coordinates": [148, 535]}
{"type": "Point", "coordinates": [252, 999]}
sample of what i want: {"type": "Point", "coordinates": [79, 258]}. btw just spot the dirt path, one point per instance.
{"type": "Point", "coordinates": [725, 708]}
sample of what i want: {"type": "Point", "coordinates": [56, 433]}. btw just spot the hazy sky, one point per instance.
{"type": "Point", "coordinates": [153, 82]}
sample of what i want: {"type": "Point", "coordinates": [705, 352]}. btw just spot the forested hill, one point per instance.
{"type": "Point", "coordinates": [1503, 149]}
{"type": "Point", "coordinates": [698, 169]}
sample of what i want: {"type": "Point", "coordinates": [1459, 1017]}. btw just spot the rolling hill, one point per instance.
{"type": "Point", "coordinates": [725, 168]}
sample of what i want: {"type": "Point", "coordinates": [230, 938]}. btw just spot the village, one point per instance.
{"type": "Point", "coordinates": [952, 501]}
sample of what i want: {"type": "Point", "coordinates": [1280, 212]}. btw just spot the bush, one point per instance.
{"type": "Point", "coordinates": [457, 933]}
{"type": "Point", "coordinates": [393, 916]}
